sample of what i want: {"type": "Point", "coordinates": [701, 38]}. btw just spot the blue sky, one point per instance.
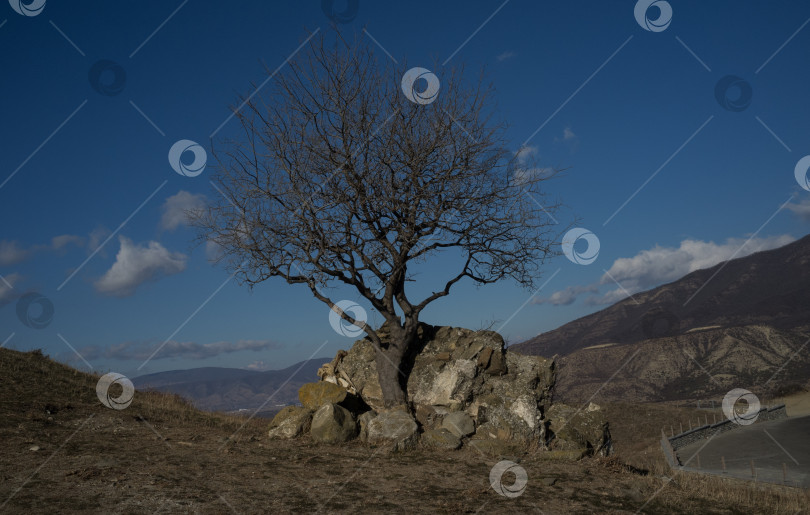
{"type": "Point", "coordinates": [584, 86]}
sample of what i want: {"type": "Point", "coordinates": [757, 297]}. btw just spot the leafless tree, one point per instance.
{"type": "Point", "coordinates": [338, 177]}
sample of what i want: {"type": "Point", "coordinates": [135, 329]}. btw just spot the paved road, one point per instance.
{"type": "Point", "coordinates": [769, 444]}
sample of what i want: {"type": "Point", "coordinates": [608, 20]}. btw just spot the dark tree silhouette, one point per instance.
{"type": "Point", "coordinates": [339, 177]}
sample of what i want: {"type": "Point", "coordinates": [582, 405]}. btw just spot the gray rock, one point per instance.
{"type": "Point", "coordinates": [290, 422]}
{"type": "Point", "coordinates": [459, 423]}
{"type": "Point", "coordinates": [396, 429]}
{"type": "Point", "coordinates": [440, 439]}
{"type": "Point", "coordinates": [333, 424]}
{"type": "Point", "coordinates": [363, 421]}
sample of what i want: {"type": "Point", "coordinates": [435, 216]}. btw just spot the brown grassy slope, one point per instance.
{"type": "Point", "coordinates": [161, 455]}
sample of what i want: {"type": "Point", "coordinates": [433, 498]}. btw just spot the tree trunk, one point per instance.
{"type": "Point", "coordinates": [393, 382]}
{"type": "Point", "coordinates": [392, 369]}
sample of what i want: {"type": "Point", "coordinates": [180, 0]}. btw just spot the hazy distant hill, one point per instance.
{"type": "Point", "coordinates": [766, 288]}
{"type": "Point", "coordinates": [230, 389]}
{"type": "Point", "coordinates": [750, 319]}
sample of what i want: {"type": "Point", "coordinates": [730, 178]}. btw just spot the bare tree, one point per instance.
{"type": "Point", "coordinates": [339, 177]}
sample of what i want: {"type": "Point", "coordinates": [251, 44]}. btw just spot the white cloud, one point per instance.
{"type": "Point", "coordinates": [11, 253]}
{"type": "Point", "coordinates": [525, 166]}
{"type": "Point", "coordinates": [177, 207]}
{"type": "Point", "coordinates": [260, 366]}
{"type": "Point", "coordinates": [659, 265]}
{"type": "Point", "coordinates": [505, 55]}
{"type": "Point", "coordinates": [566, 296]}
{"type": "Point", "coordinates": [135, 265]}
{"type": "Point", "coordinates": [7, 291]}
{"type": "Point", "coordinates": [801, 209]}
{"type": "Point", "coordinates": [59, 242]}
{"type": "Point", "coordinates": [175, 349]}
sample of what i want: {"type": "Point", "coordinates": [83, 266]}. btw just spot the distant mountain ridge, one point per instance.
{"type": "Point", "coordinates": [765, 288]}
{"type": "Point", "coordinates": [233, 389]}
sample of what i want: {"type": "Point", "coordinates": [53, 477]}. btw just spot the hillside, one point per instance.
{"type": "Point", "coordinates": [64, 452]}
{"type": "Point", "coordinates": [770, 288]}
{"type": "Point", "coordinates": [233, 389]}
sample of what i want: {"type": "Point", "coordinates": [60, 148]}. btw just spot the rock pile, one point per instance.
{"type": "Point", "coordinates": [466, 389]}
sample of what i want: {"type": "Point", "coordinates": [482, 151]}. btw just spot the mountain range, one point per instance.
{"type": "Point", "coordinates": [741, 323]}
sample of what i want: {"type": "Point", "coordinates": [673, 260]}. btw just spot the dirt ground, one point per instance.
{"type": "Point", "coordinates": [161, 456]}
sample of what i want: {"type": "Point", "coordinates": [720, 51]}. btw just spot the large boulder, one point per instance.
{"type": "Point", "coordinates": [290, 422]}
{"type": "Point", "coordinates": [582, 430]}
{"type": "Point", "coordinates": [459, 423]}
{"type": "Point", "coordinates": [315, 395]}
{"type": "Point", "coordinates": [440, 439]}
{"type": "Point", "coordinates": [395, 429]}
{"type": "Point", "coordinates": [333, 424]}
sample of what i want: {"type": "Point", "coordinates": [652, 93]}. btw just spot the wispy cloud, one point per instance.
{"type": "Point", "coordinates": [505, 55]}
{"type": "Point", "coordinates": [801, 209]}
{"type": "Point", "coordinates": [178, 208]}
{"type": "Point", "coordinates": [174, 349]}
{"type": "Point", "coordinates": [659, 265]}
{"type": "Point", "coordinates": [135, 265]}
{"type": "Point", "coordinates": [8, 288]}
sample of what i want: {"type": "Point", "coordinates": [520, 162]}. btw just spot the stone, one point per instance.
{"type": "Point", "coordinates": [395, 429]}
{"type": "Point", "coordinates": [459, 423]}
{"type": "Point", "coordinates": [363, 421]}
{"type": "Point", "coordinates": [493, 447]}
{"type": "Point", "coordinates": [579, 430]}
{"type": "Point", "coordinates": [315, 395]}
{"type": "Point", "coordinates": [427, 416]}
{"type": "Point", "coordinates": [440, 439]}
{"type": "Point", "coordinates": [290, 422]}
{"type": "Point", "coordinates": [549, 481]}
{"type": "Point", "coordinates": [333, 424]}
